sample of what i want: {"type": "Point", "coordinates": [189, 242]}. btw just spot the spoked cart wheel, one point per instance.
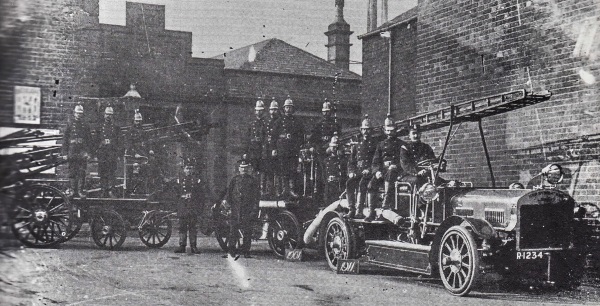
{"type": "Point", "coordinates": [41, 216]}
{"type": "Point", "coordinates": [108, 229]}
{"type": "Point", "coordinates": [458, 261]}
{"type": "Point", "coordinates": [339, 242]}
{"type": "Point", "coordinates": [156, 230]}
{"type": "Point", "coordinates": [284, 233]}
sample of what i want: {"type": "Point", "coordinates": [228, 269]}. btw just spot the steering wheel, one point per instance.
{"type": "Point", "coordinates": [427, 163]}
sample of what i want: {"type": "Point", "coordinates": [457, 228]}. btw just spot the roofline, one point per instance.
{"type": "Point", "coordinates": [357, 79]}
{"type": "Point", "coordinates": [393, 25]}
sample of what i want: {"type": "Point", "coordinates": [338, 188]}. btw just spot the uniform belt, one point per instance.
{"type": "Point", "coordinates": [106, 141]}
{"type": "Point", "coordinates": [255, 139]}
{"type": "Point", "coordinates": [285, 136]}
{"type": "Point", "coordinates": [388, 163]}
{"type": "Point", "coordinates": [360, 163]}
{"type": "Point", "coordinates": [187, 196]}
{"type": "Point", "coordinates": [332, 178]}
{"type": "Point", "coordinates": [76, 140]}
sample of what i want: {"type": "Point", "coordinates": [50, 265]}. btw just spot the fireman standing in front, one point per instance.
{"type": "Point", "coordinates": [242, 199]}
{"type": "Point", "coordinates": [190, 205]}
{"type": "Point", "coordinates": [76, 142]}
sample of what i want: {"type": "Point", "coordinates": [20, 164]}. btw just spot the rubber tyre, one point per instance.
{"type": "Point", "coordinates": [458, 261]}
{"type": "Point", "coordinates": [284, 233]}
{"type": "Point", "coordinates": [339, 242]}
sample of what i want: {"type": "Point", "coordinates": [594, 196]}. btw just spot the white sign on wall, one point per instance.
{"type": "Point", "coordinates": [28, 101]}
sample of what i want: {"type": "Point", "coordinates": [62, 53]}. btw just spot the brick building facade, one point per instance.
{"type": "Point", "coordinates": [469, 49]}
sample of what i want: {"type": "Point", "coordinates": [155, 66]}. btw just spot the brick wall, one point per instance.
{"type": "Point", "coordinates": [375, 72]}
{"type": "Point", "coordinates": [39, 50]}
{"type": "Point", "coordinates": [469, 49]}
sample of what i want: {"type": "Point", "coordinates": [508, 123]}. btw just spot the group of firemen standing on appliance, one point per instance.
{"type": "Point", "coordinates": [273, 148]}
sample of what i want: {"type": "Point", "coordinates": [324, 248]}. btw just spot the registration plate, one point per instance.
{"type": "Point", "coordinates": [529, 255]}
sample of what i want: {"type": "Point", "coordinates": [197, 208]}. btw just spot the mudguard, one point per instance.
{"type": "Point", "coordinates": [481, 229]}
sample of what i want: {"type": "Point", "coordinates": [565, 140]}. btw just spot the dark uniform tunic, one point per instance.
{"type": "Point", "coordinates": [136, 176]}
{"type": "Point", "coordinates": [190, 205]}
{"type": "Point", "coordinates": [361, 157]}
{"type": "Point", "coordinates": [256, 139]}
{"type": "Point", "coordinates": [136, 138]}
{"type": "Point", "coordinates": [243, 196]}
{"type": "Point", "coordinates": [387, 159]}
{"type": "Point", "coordinates": [290, 140]}
{"type": "Point", "coordinates": [322, 132]}
{"type": "Point", "coordinates": [76, 141]}
{"type": "Point", "coordinates": [109, 141]}
{"type": "Point", "coordinates": [413, 153]}
{"type": "Point", "coordinates": [335, 176]}
{"type": "Point", "coordinates": [271, 163]}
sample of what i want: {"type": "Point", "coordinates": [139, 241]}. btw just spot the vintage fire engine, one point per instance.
{"type": "Point", "coordinates": [459, 232]}
{"type": "Point", "coordinates": [42, 215]}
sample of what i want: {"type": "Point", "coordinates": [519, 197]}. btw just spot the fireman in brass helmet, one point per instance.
{"type": "Point", "coordinates": [76, 143]}
{"type": "Point", "coordinates": [256, 137]}
{"type": "Point", "coordinates": [359, 169]}
{"type": "Point", "coordinates": [320, 138]}
{"type": "Point", "coordinates": [108, 152]}
{"type": "Point", "coordinates": [135, 149]}
{"type": "Point", "coordinates": [271, 167]}
{"type": "Point", "coordinates": [291, 137]}
{"type": "Point", "coordinates": [334, 166]}
{"type": "Point", "coordinates": [386, 166]}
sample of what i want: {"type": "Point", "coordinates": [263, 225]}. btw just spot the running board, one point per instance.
{"type": "Point", "coordinates": [399, 255]}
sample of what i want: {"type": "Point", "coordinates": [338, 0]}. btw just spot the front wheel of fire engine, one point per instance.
{"type": "Point", "coordinates": [156, 230]}
{"type": "Point", "coordinates": [108, 229]}
{"type": "Point", "coordinates": [458, 261]}
{"type": "Point", "coordinates": [284, 233]}
{"type": "Point", "coordinates": [41, 216]}
{"type": "Point", "coordinates": [339, 242]}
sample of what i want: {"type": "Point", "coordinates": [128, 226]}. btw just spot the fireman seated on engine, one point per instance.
{"type": "Point", "coordinates": [387, 166]}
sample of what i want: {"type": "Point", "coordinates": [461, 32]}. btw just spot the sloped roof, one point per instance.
{"type": "Point", "coordinates": [276, 56]}
{"type": "Point", "coordinates": [400, 19]}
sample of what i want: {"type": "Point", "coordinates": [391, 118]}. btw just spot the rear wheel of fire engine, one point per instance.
{"type": "Point", "coordinates": [156, 231]}
{"type": "Point", "coordinates": [284, 233]}
{"type": "Point", "coordinates": [41, 216]}
{"type": "Point", "coordinates": [458, 261]}
{"type": "Point", "coordinates": [108, 229]}
{"type": "Point", "coordinates": [339, 242]}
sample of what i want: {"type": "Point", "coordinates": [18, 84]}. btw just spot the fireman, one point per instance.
{"type": "Point", "coordinates": [242, 199]}
{"type": "Point", "coordinates": [335, 165]}
{"type": "Point", "coordinates": [359, 170]}
{"type": "Point", "coordinates": [136, 148]}
{"type": "Point", "coordinates": [75, 146]}
{"type": "Point", "coordinates": [291, 136]}
{"type": "Point", "coordinates": [415, 151]}
{"type": "Point", "coordinates": [320, 137]}
{"type": "Point", "coordinates": [109, 141]}
{"type": "Point", "coordinates": [386, 166]}
{"type": "Point", "coordinates": [189, 207]}
{"type": "Point", "coordinates": [256, 139]}
{"type": "Point", "coordinates": [270, 165]}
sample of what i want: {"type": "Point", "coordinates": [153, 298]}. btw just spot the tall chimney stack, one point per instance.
{"type": "Point", "coordinates": [384, 11]}
{"type": "Point", "coordinates": [338, 39]}
{"type": "Point", "coordinates": [372, 16]}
